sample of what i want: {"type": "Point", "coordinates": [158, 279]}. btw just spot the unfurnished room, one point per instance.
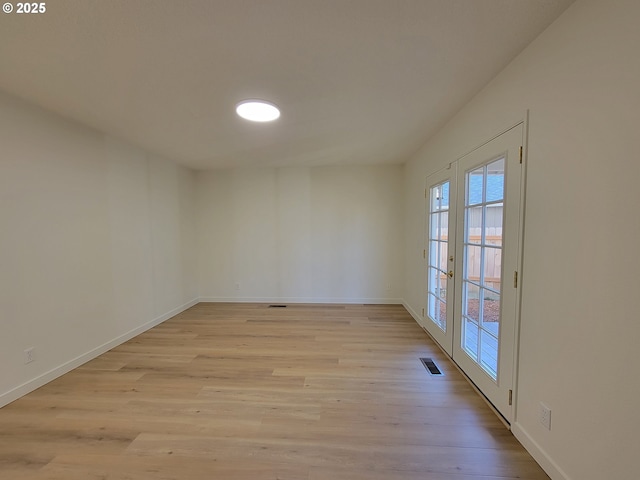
{"type": "Point", "coordinates": [319, 239]}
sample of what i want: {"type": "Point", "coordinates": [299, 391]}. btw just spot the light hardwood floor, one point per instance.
{"type": "Point", "coordinates": [243, 391]}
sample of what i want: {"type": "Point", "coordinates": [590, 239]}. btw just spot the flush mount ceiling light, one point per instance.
{"type": "Point", "coordinates": [257, 110]}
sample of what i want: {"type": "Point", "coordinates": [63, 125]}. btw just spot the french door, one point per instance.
{"type": "Point", "coordinates": [472, 263]}
{"type": "Point", "coordinates": [440, 255]}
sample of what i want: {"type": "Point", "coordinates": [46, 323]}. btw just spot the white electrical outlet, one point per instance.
{"type": "Point", "coordinates": [545, 416]}
{"type": "Point", "coordinates": [29, 355]}
{"type": "Point", "coordinates": [237, 285]}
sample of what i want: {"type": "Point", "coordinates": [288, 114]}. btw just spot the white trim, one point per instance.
{"type": "Point", "coordinates": [522, 121]}
{"type": "Point", "coordinates": [538, 453]}
{"type": "Point", "coordinates": [520, 265]}
{"type": "Point", "coordinates": [39, 381]}
{"type": "Point", "coordinates": [366, 301]}
{"type": "Point", "coordinates": [412, 312]}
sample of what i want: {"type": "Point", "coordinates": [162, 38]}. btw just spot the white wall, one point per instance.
{"type": "Point", "coordinates": [96, 236]}
{"type": "Point", "coordinates": [580, 324]}
{"type": "Point", "coordinates": [317, 234]}
{"type": "Point", "coordinates": [96, 243]}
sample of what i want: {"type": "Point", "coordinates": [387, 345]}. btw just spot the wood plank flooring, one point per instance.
{"type": "Point", "coordinates": [243, 391]}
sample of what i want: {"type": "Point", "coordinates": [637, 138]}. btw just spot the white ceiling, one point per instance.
{"type": "Point", "coordinates": [358, 81]}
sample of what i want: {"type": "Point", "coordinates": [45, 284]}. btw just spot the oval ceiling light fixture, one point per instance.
{"type": "Point", "coordinates": [257, 110]}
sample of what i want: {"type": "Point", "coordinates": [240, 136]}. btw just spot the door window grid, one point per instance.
{"type": "Point", "coordinates": [484, 197]}
{"type": "Point", "coordinates": [438, 252]}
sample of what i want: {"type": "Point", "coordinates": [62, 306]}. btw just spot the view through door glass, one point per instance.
{"type": "Point", "coordinates": [441, 200]}
{"type": "Point", "coordinates": [438, 255]}
{"type": "Point", "coordinates": [482, 272]}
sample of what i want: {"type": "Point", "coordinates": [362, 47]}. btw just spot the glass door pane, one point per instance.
{"type": "Point", "coordinates": [482, 260]}
{"type": "Point", "coordinates": [437, 283]}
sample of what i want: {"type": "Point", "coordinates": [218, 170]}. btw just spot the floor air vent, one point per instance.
{"type": "Point", "coordinates": [431, 366]}
{"type": "Point", "coordinates": [277, 306]}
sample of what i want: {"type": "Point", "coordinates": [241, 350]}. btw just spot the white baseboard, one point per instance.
{"type": "Point", "coordinates": [411, 311]}
{"type": "Point", "coordinates": [365, 301]}
{"type": "Point", "coordinates": [538, 453]}
{"type": "Point", "coordinates": [31, 385]}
